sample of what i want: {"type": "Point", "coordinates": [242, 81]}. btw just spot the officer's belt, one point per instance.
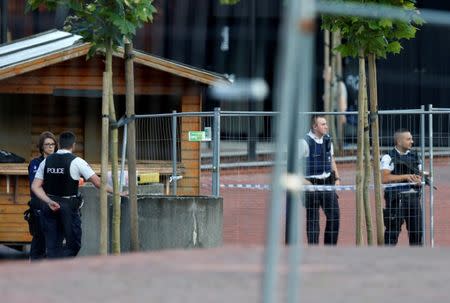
{"type": "Point", "coordinates": [64, 197]}
{"type": "Point", "coordinates": [316, 181]}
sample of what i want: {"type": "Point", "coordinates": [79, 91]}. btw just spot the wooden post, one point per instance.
{"type": "Point", "coordinates": [190, 151]}
{"type": "Point", "coordinates": [326, 72]}
{"type": "Point", "coordinates": [376, 147]}
{"type": "Point", "coordinates": [340, 120]}
{"type": "Point", "coordinates": [360, 148]}
{"type": "Point", "coordinates": [333, 95]}
{"type": "Point", "coordinates": [131, 146]}
{"type": "Point", "coordinates": [366, 177]}
{"type": "Point", "coordinates": [104, 158]}
{"type": "Point", "coordinates": [115, 244]}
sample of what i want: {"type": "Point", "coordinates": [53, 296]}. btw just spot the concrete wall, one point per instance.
{"type": "Point", "coordinates": [165, 222]}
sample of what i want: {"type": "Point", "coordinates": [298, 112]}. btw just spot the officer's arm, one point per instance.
{"type": "Point", "coordinates": [303, 151]}
{"type": "Point", "coordinates": [36, 187]}
{"type": "Point", "coordinates": [94, 179]}
{"type": "Point", "coordinates": [388, 177]}
{"type": "Point", "coordinates": [336, 173]}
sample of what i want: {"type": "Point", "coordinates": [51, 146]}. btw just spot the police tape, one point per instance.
{"type": "Point", "coordinates": [309, 187]}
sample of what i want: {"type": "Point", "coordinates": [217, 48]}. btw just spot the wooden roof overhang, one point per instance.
{"type": "Point", "coordinates": [35, 61]}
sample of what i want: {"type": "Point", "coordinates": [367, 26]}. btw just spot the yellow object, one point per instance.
{"type": "Point", "coordinates": [148, 178]}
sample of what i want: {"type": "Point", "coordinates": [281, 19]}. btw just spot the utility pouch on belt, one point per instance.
{"type": "Point", "coordinates": [78, 201]}
{"type": "Point", "coordinates": [332, 177]}
{"type": "Point", "coordinates": [29, 216]}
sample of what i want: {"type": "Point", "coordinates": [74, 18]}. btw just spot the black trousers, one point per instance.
{"type": "Point", "coordinates": [64, 223]}
{"type": "Point", "coordinates": [37, 249]}
{"type": "Point", "coordinates": [328, 201]}
{"type": "Point", "coordinates": [403, 207]}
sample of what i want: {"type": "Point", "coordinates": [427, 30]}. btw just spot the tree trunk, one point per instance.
{"type": "Point", "coordinates": [366, 191]}
{"type": "Point", "coordinates": [326, 72]}
{"type": "Point", "coordinates": [376, 147]}
{"type": "Point", "coordinates": [103, 249]}
{"type": "Point", "coordinates": [115, 244]}
{"type": "Point", "coordinates": [360, 149]}
{"type": "Point", "coordinates": [334, 91]}
{"type": "Point", "coordinates": [340, 120]}
{"type": "Point", "coordinates": [131, 146]}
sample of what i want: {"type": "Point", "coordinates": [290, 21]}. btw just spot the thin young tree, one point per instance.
{"type": "Point", "coordinates": [104, 24]}
{"type": "Point", "coordinates": [372, 38]}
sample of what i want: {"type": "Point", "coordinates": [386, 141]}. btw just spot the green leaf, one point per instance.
{"type": "Point", "coordinates": [373, 25]}
{"type": "Point", "coordinates": [394, 47]}
{"type": "Point", "coordinates": [101, 21]}
{"type": "Point", "coordinates": [385, 23]}
{"type": "Point", "coordinates": [347, 50]}
{"type": "Point", "coordinates": [125, 27]}
{"type": "Point", "coordinates": [360, 30]}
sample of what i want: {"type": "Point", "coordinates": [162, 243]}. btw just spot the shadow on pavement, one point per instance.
{"type": "Point", "coordinates": [12, 253]}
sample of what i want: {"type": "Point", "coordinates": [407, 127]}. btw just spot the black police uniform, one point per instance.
{"type": "Point", "coordinates": [64, 223]}
{"type": "Point", "coordinates": [318, 162]}
{"type": "Point", "coordinates": [403, 202]}
{"type": "Point", "coordinates": [37, 249]}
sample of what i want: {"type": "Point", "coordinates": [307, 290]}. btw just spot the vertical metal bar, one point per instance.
{"type": "Point", "coordinates": [430, 145]}
{"type": "Point", "coordinates": [216, 153]}
{"type": "Point", "coordinates": [124, 155]}
{"type": "Point", "coordinates": [174, 153]}
{"type": "Point", "coordinates": [422, 152]}
{"type": "Point", "coordinates": [305, 97]}
{"type": "Point", "coordinates": [252, 121]}
{"type": "Point", "coordinates": [292, 77]}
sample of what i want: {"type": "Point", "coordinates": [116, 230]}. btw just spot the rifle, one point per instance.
{"type": "Point", "coordinates": [415, 171]}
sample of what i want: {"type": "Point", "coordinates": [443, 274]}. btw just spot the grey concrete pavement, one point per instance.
{"type": "Point", "coordinates": [231, 274]}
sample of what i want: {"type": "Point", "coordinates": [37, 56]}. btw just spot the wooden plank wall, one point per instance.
{"type": "Point", "coordinates": [190, 151]}
{"type": "Point", "coordinates": [79, 74]}
{"type": "Point", "coordinates": [57, 114]}
{"type": "Point", "coordinates": [13, 228]}
{"type": "Point", "coordinates": [51, 113]}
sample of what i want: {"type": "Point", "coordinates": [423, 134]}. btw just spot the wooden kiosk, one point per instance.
{"type": "Point", "coordinates": [46, 83]}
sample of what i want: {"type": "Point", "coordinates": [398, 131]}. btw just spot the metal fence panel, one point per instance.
{"type": "Point", "coordinates": [245, 174]}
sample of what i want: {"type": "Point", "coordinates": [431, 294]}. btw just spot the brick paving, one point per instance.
{"type": "Point", "coordinates": [232, 274]}
{"type": "Point", "coordinates": [245, 209]}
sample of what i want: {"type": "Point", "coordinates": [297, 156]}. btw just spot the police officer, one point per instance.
{"type": "Point", "coordinates": [56, 183]}
{"type": "Point", "coordinates": [402, 165]}
{"type": "Point", "coordinates": [47, 146]}
{"type": "Point", "coordinates": [320, 169]}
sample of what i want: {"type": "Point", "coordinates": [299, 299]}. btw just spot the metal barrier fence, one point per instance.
{"type": "Point", "coordinates": [237, 162]}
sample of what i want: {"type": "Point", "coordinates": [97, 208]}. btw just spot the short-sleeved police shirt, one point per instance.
{"type": "Point", "coordinates": [388, 164]}
{"type": "Point", "coordinates": [78, 168]}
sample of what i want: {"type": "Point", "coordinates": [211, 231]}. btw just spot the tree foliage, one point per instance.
{"type": "Point", "coordinates": [374, 36]}
{"type": "Point", "coordinates": [229, 2]}
{"type": "Point", "coordinates": [102, 22]}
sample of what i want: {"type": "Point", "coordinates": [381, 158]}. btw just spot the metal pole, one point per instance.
{"type": "Point", "coordinates": [216, 153]}
{"type": "Point", "coordinates": [305, 97]}
{"type": "Point", "coordinates": [252, 129]}
{"type": "Point", "coordinates": [174, 153]}
{"type": "Point", "coordinates": [292, 77]}
{"type": "Point", "coordinates": [430, 145]}
{"type": "Point", "coordinates": [422, 191]}
{"type": "Point", "coordinates": [124, 154]}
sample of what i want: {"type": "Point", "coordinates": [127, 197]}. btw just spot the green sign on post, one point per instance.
{"type": "Point", "coordinates": [197, 136]}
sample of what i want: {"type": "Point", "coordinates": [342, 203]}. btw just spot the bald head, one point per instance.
{"type": "Point", "coordinates": [403, 140]}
